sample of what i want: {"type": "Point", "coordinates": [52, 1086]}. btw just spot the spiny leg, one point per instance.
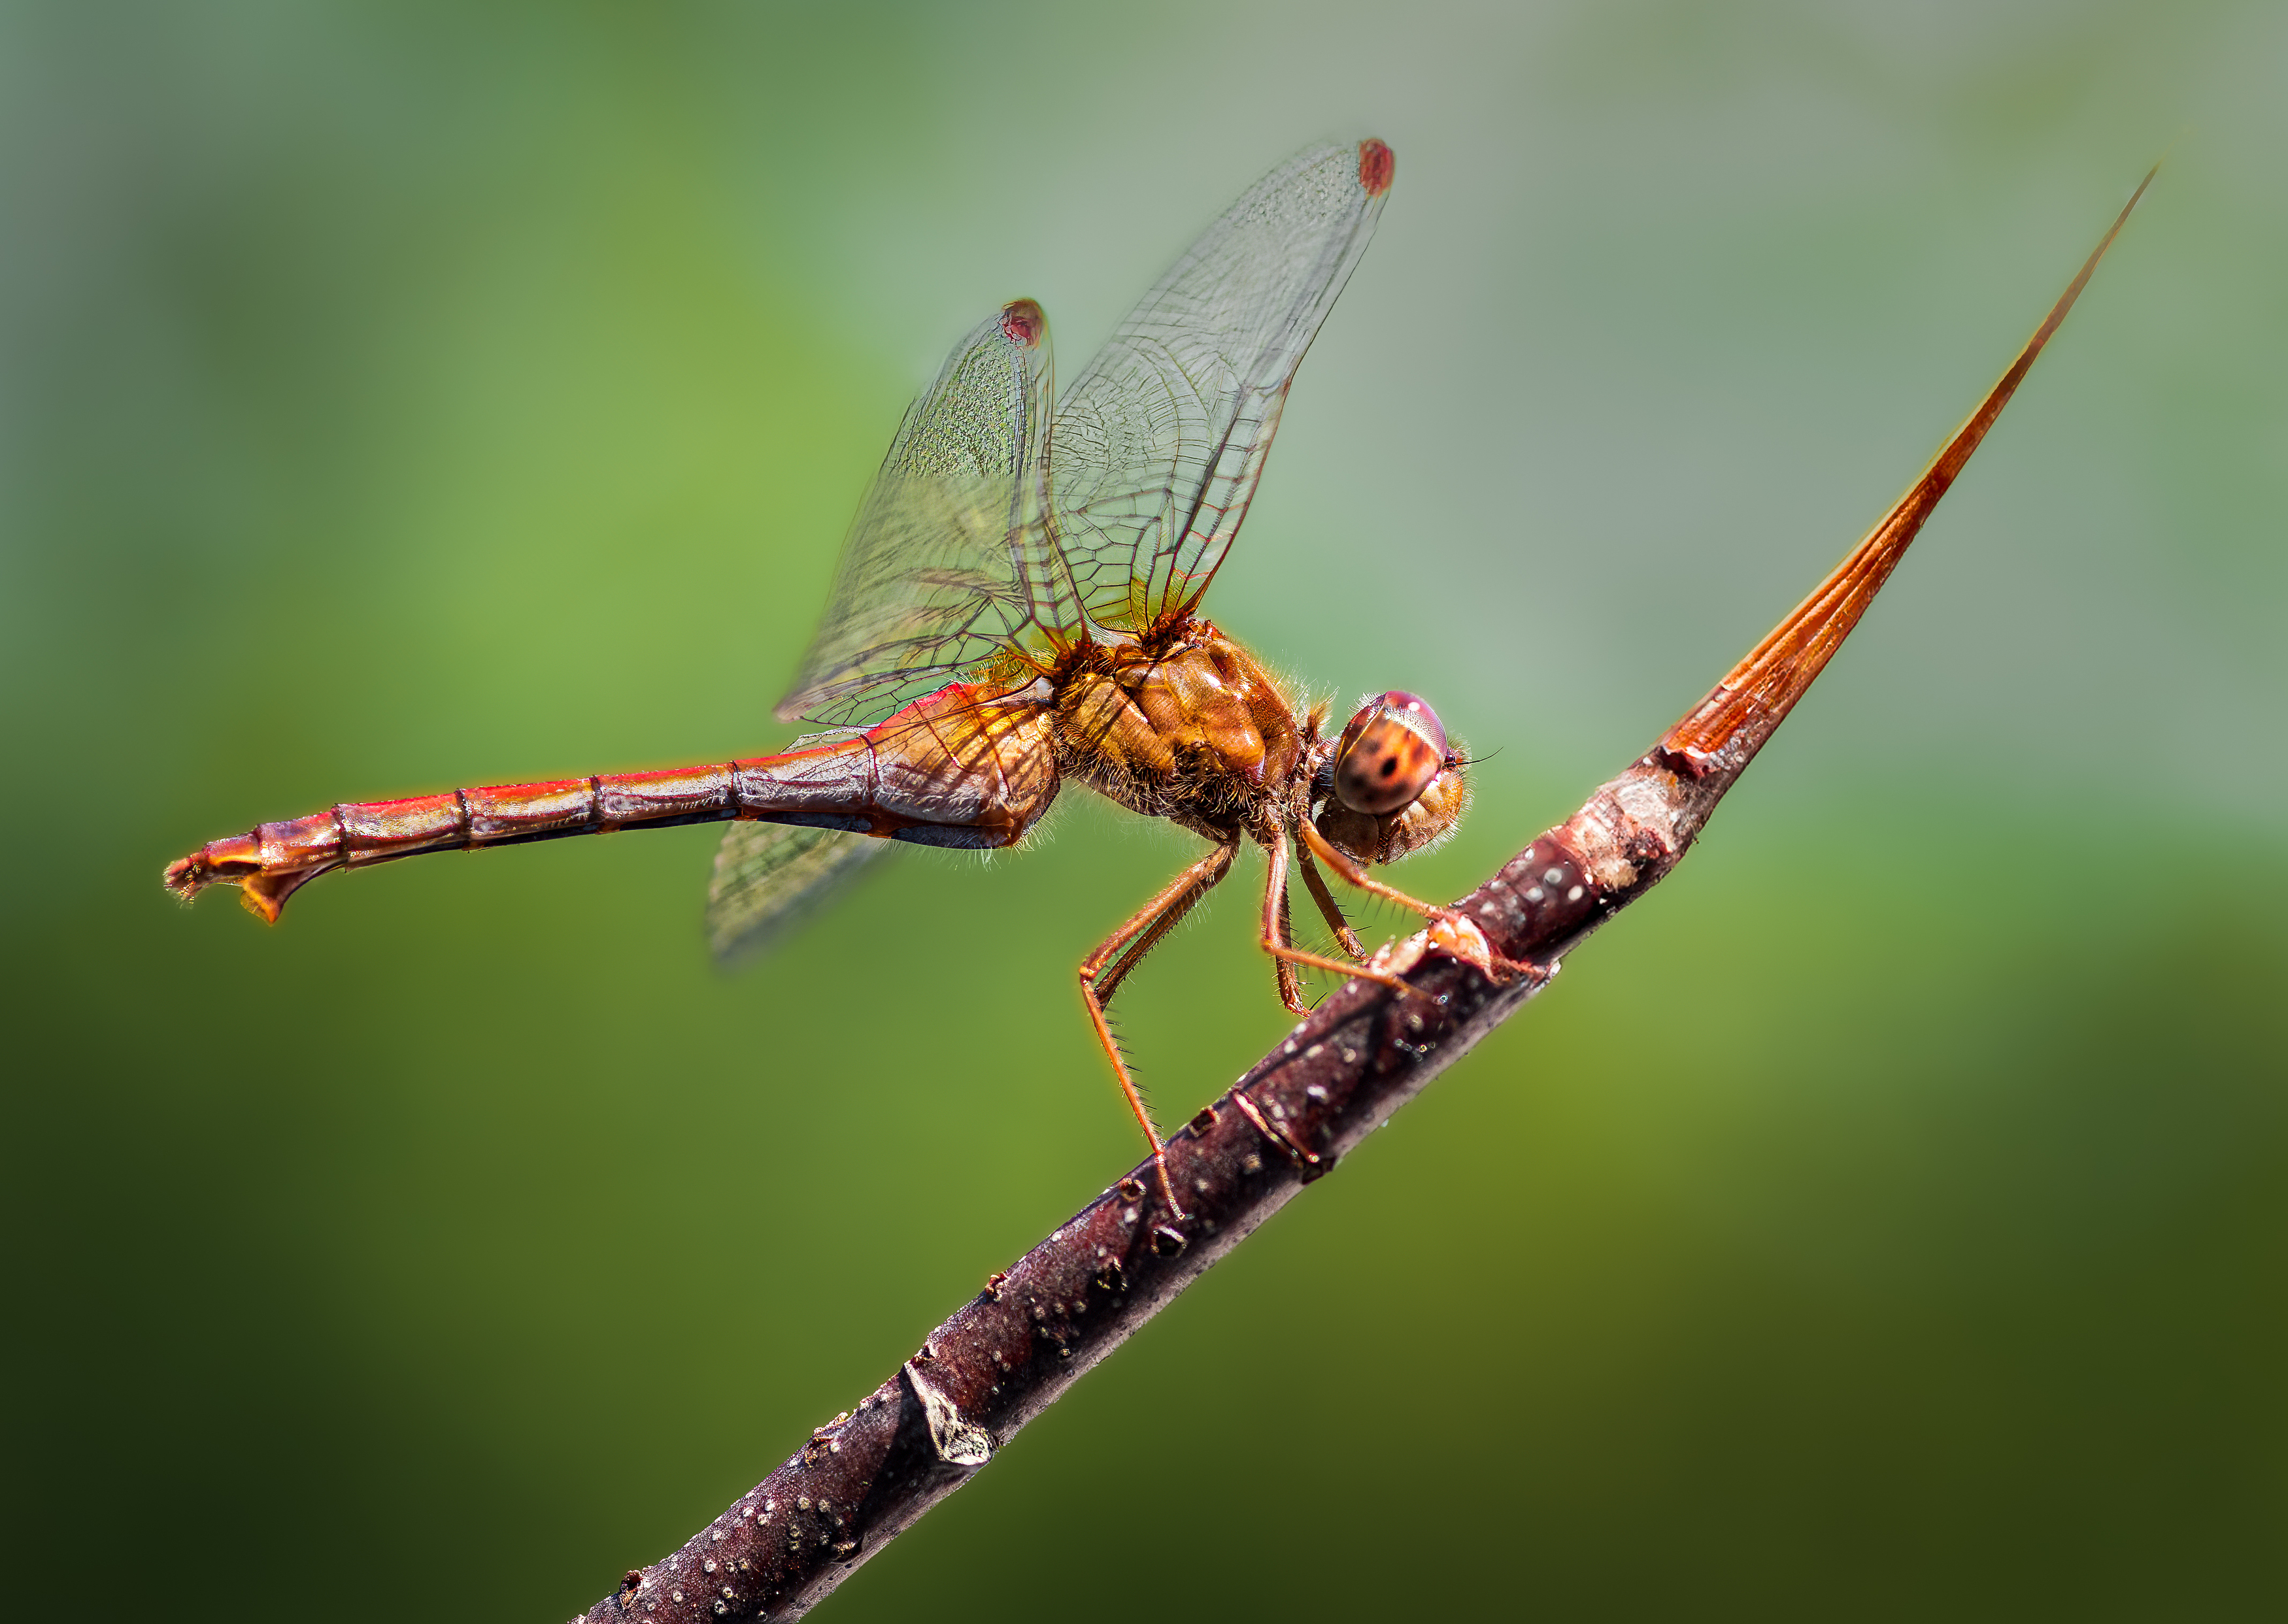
{"type": "Point", "coordinates": [1290, 986]}
{"type": "Point", "coordinates": [1275, 913]}
{"type": "Point", "coordinates": [1108, 982]}
{"type": "Point", "coordinates": [1355, 874]}
{"type": "Point", "coordinates": [1146, 928]}
{"type": "Point", "coordinates": [1329, 910]}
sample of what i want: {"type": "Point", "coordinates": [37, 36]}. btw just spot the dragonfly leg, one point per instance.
{"type": "Point", "coordinates": [1274, 941]}
{"type": "Point", "coordinates": [1329, 909]}
{"type": "Point", "coordinates": [1152, 922]}
{"type": "Point", "coordinates": [1103, 970]}
{"type": "Point", "coordinates": [1290, 986]}
{"type": "Point", "coordinates": [1354, 874]}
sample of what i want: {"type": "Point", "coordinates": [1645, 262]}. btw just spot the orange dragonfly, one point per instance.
{"type": "Point", "coordinates": [1018, 604]}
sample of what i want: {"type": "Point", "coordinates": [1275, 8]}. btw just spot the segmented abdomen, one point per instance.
{"type": "Point", "coordinates": [959, 768]}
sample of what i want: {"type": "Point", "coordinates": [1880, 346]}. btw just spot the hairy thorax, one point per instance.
{"type": "Point", "coordinates": [1198, 733]}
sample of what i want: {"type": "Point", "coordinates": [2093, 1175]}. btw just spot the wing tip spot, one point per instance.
{"type": "Point", "coordinates": [1378, 164]}
{"type": "Point", "coordinates": [1022, 322]}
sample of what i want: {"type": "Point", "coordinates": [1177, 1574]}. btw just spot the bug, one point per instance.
{"type": "Point", "coordinates": [1018, 606]}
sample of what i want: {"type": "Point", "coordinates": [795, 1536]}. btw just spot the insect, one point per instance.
{"type": "Point", "coordinates": [1018, 604]}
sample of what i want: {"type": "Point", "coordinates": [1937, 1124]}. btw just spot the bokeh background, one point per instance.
{"type": "Point", "coordinates": [1887, 1219]}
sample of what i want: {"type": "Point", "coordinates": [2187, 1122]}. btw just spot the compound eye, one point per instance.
{"type": "Point", "coordinates": [1387, 756]}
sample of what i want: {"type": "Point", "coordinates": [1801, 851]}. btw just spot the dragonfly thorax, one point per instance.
{"type": "Point", "coordinates": [1198, 731]}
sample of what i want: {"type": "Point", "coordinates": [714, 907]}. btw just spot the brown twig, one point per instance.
{"type": "Point", "coordinates": [1003, 1358]}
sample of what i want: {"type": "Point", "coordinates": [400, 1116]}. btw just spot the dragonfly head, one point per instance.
{"type": "Point", "coordinates": [1394, 784]}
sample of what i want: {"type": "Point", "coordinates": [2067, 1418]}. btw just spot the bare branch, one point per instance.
{"type": "Point", "coordinates": [1006, 1356]}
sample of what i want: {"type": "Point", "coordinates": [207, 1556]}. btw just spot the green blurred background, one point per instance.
{"type": "Point", "coordinates": [1887, 1219]}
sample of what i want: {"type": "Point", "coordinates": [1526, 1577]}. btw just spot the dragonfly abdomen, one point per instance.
{"type": "Point", "coordinates": [955, 769]}
{"type": "Point", "coordinates": [273, 860]}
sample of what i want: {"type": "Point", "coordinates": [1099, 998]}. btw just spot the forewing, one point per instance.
{"type": "Point", "coordinates": [1157, 449]}
{"type": "Point", "coordinates": [771, 876]}
{"type": "Point", "coordinates": [943, 570]}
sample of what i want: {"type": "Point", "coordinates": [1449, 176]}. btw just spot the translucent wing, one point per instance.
{"type": "Point", "coordinates": [771, 876]}
{"type": "Point", "coordinates": [1155, 451]}
{"type": "Point", "coordinates": [956, 567]}
{"type": "Point", "coordinates": [946, 567]}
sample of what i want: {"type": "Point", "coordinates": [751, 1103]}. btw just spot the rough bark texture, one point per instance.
{"type": "Point", "coordinates": [1007, 1355]}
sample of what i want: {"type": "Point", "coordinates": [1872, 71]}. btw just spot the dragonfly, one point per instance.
{"type": "Point", "coordinates": [1017, 606]}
